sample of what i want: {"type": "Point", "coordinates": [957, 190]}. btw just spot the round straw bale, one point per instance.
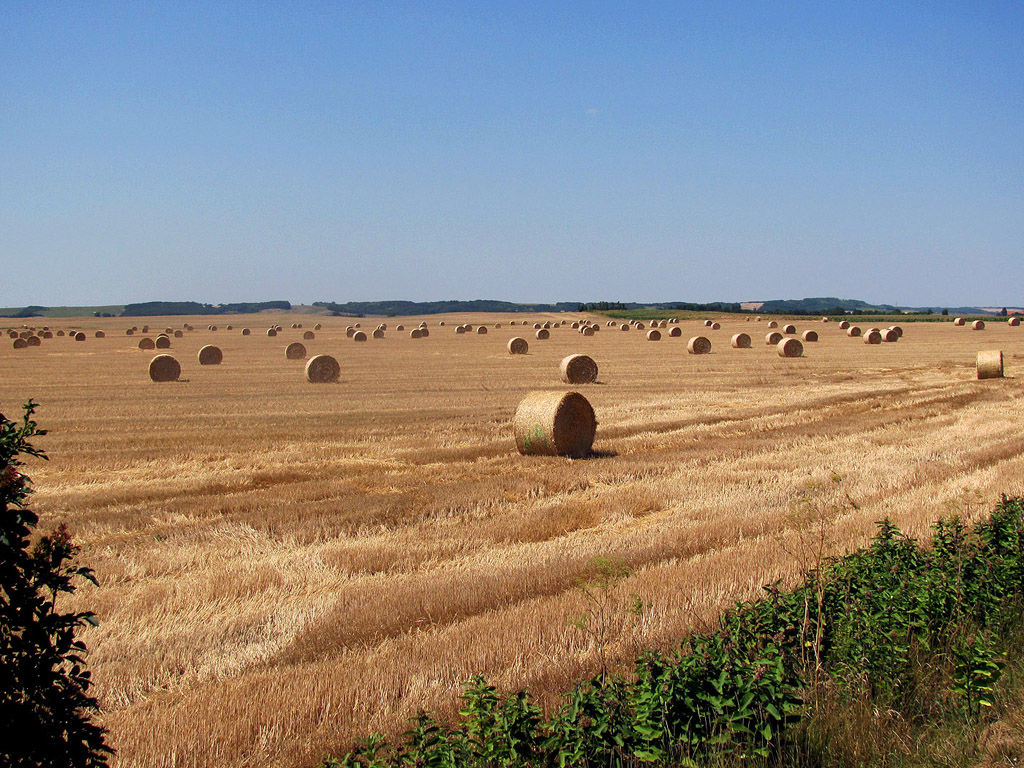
{"type": "Point", "coordinates": [358, 336]}
{"type": "Point", "coordinates": [145, 329]}
{"type": "Point", "coordinates": [653, 335]}
{"type": "Point", "coordinates": [60, 333]}
{"type": "Point", "coordinates": [246, 332]}
{"type": "Point", "coordinates": [378, 333]}
{"type": "Point", "coordinates": [675, 331]}
{"type": "Point", "coordinates": [757, 319]}
{"type": "Point", "coordinates": [853, 331]}
{"type": "Point", "coordinates": [873, 336]}
{"type": "Point", "coordinates": [978, 325]}
{"type": "Point", "coordinates": [20, 343]}
{"type": "Point", "coordinates": [350, 331]}
{"type": "Point", "coordinates": [772, 324]}
{"type": "Point", "coordinates": [278, 328]}
{"type": "Point", "coordinates": [308, 335]}
{"type": "Point", "coordinates": [146, 343]}
{"type": "Point", "coordinates": [168, 331]}
{"type": "Point", "coordinates": [990, 364]}
{"type": "Point", "coordinates": [546, 326]}
{"type": "Point", "coordinates": [578, 369]}
{"type": "Point", "coordinates": [825, 320]}
{"type": "Point", "coordinates": [716, 326]}
{"type": "Point", "coordinates": [129, 332]}
{"type": "Point", "coordinates": [271, 332]}
{"type": "Point", "coordinates": [699, 345]}
{"type": "Point", "coordinates": [210, 355]}
{"type": "Point", "coordinates": [624, 327]}
{"type": "Point", "coordinates": [574, 325]}
{"type": "Point", "coordinates": [1014, 321]}
{"type": "Point", "coordinates": [213, 327]}
{"type": "Point", "coordinates": [33, 341]}
{"type": "Point", "coordinates": [789, 329]}
{"type": "Point", "coordinates": [899, 331]}
{"type": "Point", "coordinates": [322, 369]}
{"type": "Point", "coordinates": [809, 335]}
{"type": "Point", "coordinates": [295, 351]}
{"type": "Point", "coordinates": [460, 329]}
{"type": "Point", "coordinates": [640, 327]}
{"type": "Point", "coordinates": [25, 334]}
{"type": "Point", "coordinates": [517, 346]}
{"type": "Point", "coordinates": [318, 326]}
{"type": "Point", "coordinates": [554, 424]}
{"type": "Point", "coordinates": [416, 333]}
{"type": "Point", "coordinates": [890, 335]}
{"type": "Point", "coordinates": [543, 333]}
{"type": "Point", "coordinates": [512, 322]}
{"type": "Point", "coordinates": [741, 341]}
{"type": "Point", "coordinates": [357, 325]}
{"type": "Point", "coordinates": [586, 330]}
{"type": "Point", "coordinates": [399, 327]}
{"type": "Point", "coordinates": [482, 330]}
{"type": "Point", "coordinates": [79, 336]}
{"type": "Point", "coordinates": [707, 323]}
{"type": "Point", "coordinates": [231, 327]}
{"type": "Point", "coordinates": [162, 342]}
{"type": "Point", "coordinates": [958, 321]}
{"type": "Point", "coordinates": [189, 327]}
{"type": "Point", "coordinates": [294, 326]}
{"type": "Point", "coordinates": [47, 334]}
{"type": "Point", "coordinates": [424, 325]}
{"type": "Point", "coordinates": [843, 325]}
{"type": "Point", "coordinates": [178, 334]}
{"type": "Point", "coordinates": [164, 368]}
{"type": "Point", "coordinates": [772, 338]}
{"type": "Point", "coordinates": [424, 332]}
{"type": "Point", "coordinates": [790, 348]}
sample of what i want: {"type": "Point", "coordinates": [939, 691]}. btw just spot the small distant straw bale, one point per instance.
{"type": "Point", "coordinates": [246, 331]}
{"type": "Point", "coordinates": [853, 331]}
{"type": "Point", "coordinates": [675, 331]}
{"type": "Point", "coordinates": [482, 330]}
{"type": "Point", "coordinates": [574, 325]}
{"type": "Point", "coordinates": [146, 343]}
{"type": "Point", "coordinates": [517, 346]}
{"type": "Point", "coordinates": [308, 335]}
{"type": "Point", "coordinates": [378, 333]}
{"type": "Point", "coordinates": [47, 334]}
{"type": "Point", "coordinates": [844, 325]}
{"type": "Point", "coordinates": [129, 332]}
{"type": "Point", "coordinates": [163, 342]}
{"type": "Point", "coordinates": [322, 369]}
{"type": "Point", "coordinates": [873, 336]}
{"type": "Point", "coordinates": [145, 329]}
{"type": "Point", "coordinates": [399, 327]}
{"type": "Point", "coordinates": [789, 329]}
{"type": "Point", "coordinates": [20, 343]}
{"type": "Point", "coordinates": [990, 364]}
{"type": "Point", "coordinates": [890, 335]}
{"type": "Point", "coordinates": [424, 332]}
{"type": "Point", "coordinates": [898, 330]}
{"type": "Point", "coordinates": [358, 336]}
{"type": "Point", "coordinates": [958, 321]}
{"type": "Point", "coordinates": [295, 351]}
{"type": "Point", "coordinates": [699, 345]}
{"type": "Point", "coordinates": [80, 336]}
{"type": "Point", "coordinates": [707, 323]}
{"type": "Point", "coordinates": [772, 324]}
{"type": "Point", "coordinates": [772, 338]}
{"type": "Point", "coordinates": [741, 341]}
{"type": "Point", "coordinates": [33, 341]}
{"type": "Point", "coordinates": [716, 326]}
{"type": "Point", "coordinates": [587, 330]}
{"type": "Point", "coordinates": [164, 368]}
{"type": "Point", "coordinates": [60, 333]}
{"type": "Point", "coordinates": [271, 332]}
{"type": "Point", "coordinates": [978, 325]}
{"type": "Point", "coordinates": [809, 336]}
{"type": "Point", "coordinates": [416, 333]}
{"type": "Point", "coordinates": [554, 424]}
{"type": "Point", "coordinates": [1014, 321]}
{"type": "Point", "coordinates": [826, 320]}
{"type": "Point", "coordinates": [543, 333]}
{"type": "Point", "coordinates": [790, 348]}
{"type": "Point", "coordinates": [460, 329]}
{"type": "Point", "coordinates": [624, 327]}
{"type": "Point", "coordinates": [578, 369]}
{"type": "Point", "coordinates": [210, 355]}
{"type": "Point", "coordinates": [350, 331]}
{"type": "Point", "coordinates": [653, 335]}
{"type": "Point", "coordinates": [317, 327]}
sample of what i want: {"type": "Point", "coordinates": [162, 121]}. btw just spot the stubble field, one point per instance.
{"type": "Point", "coordinates": [286, 566]}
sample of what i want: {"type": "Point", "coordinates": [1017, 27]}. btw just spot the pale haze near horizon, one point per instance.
{"type": "Point", "coordinates": [530, 152]}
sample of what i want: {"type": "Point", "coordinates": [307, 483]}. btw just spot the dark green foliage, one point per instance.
{"type": "Point", "coordinates": [913, 630]}
{"type": "Point", "coordinates": [44, 707]}
{"type": "Point", "coordinates": [154, 308]}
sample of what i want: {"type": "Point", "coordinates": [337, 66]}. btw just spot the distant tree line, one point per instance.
{"type": "Point", "coordinates": [396, 308]}
{"type": "Point", "coordinates": [33, 311]}
{"type": "Point", "coordinates": [149, 308]}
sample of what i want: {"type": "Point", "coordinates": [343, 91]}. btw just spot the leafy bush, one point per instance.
{"type": "Point", "coordinates": [44, 707]}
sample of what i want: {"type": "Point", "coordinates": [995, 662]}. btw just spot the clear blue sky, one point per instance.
{"type": "Point", "coordinates": [527, 151]}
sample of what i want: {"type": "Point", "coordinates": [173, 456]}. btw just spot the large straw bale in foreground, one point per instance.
{"type": "Point", "coordinates": [322, 369]}
{"type": "Point", "coordinates": [554, 424]}
{"type": "Point", "coordinates": [210, 355]}
{"type": "Point", "coordinates": [164, 368]}
{"type": "Point", "coordinates": [990, 364]}
{"type": "Point", "coordinates": [578, 369]}
{"type": "Point", "coordinates": [790, 348]}
{"type": "Point", "coordinates": [699, 345]}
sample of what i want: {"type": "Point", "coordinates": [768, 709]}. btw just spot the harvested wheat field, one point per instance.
{"type": "Point", "coordinates": [286, 566]}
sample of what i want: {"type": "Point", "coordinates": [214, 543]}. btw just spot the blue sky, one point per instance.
{"type": "Point", "coordinates": [531, 151]}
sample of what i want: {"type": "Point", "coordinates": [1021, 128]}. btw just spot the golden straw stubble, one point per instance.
{"type": "Point", "coordinates": [164, 368]}
{"type": "Point", "coordinates": [322, 369]}
{"type": "Point", "coordinates": [554, 424]}
{"type": "Point", "coordinates": [578, 369]}
{"type": "Point", "coordinates": [990, 364]}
